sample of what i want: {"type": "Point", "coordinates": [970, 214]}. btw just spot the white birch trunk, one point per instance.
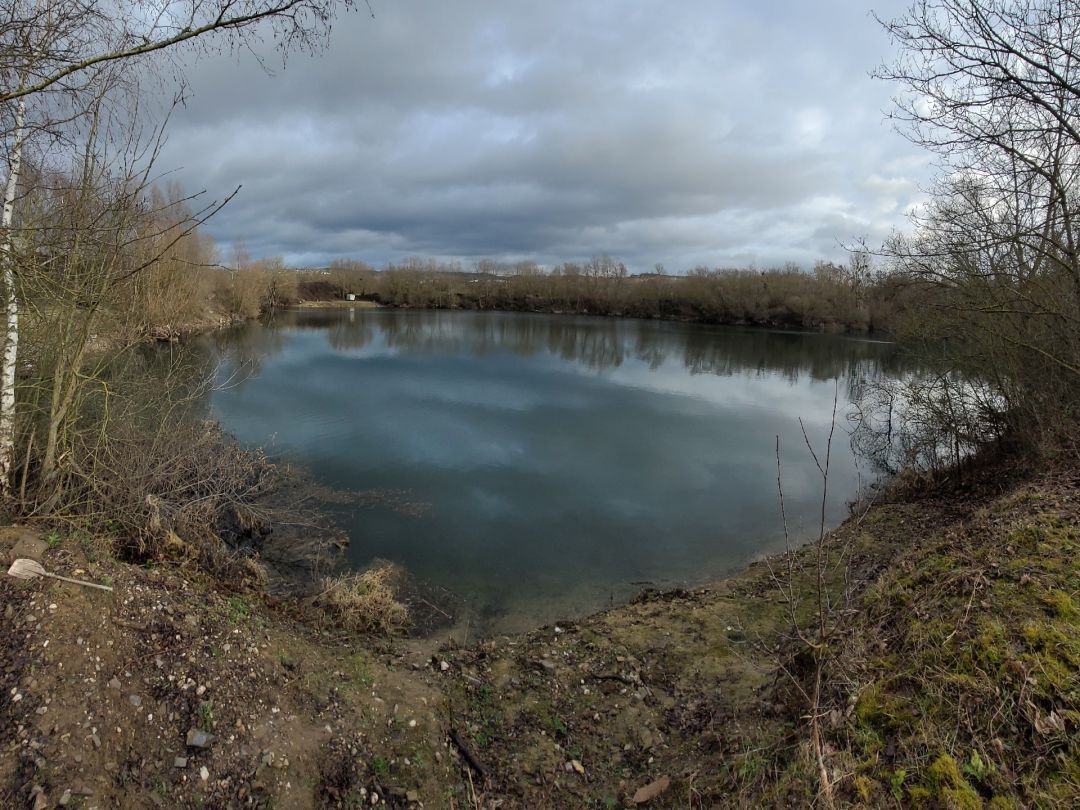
{"type": "Point", "coordinates": [10, 308]}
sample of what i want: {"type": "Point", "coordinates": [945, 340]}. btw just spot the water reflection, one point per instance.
{"type": "Point", "coordinates": [598, 344]}
{"type": "Point", "coordinates": [563, 458]}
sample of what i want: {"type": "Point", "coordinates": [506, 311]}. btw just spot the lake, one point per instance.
{"type": "Point", "coordinates": [544, 466]}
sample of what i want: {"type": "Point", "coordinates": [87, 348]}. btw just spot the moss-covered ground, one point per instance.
{"type": "Point", "coordinates": [950, 679]}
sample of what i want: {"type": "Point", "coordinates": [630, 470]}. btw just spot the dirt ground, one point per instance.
{"type": "Point", "coordinates": [173, 692]}
{"type": "Point", "coordinates": [104, 696]}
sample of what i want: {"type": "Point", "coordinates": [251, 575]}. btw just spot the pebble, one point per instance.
{"type": "Point", "coordinates": [444, 665]}
{"type": "Point", "coordinates": [135, 700]}
{"type": "Point", "coordinates": [197, 738]}
{"type": "Point", "coordinates": [648, 792]}
{"type": "Point", "coordinates": [204, 774]}
{"type": "Point", "coordinates": [115, 684]}
{"type": "Point", "coordinates": [180, 762]}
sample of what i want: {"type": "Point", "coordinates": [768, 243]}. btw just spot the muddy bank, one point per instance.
{"type": "Point", "coordinates": [684, 699]}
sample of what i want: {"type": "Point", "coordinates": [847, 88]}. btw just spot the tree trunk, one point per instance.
{"type": "Point", "coordinates": [10, 308]}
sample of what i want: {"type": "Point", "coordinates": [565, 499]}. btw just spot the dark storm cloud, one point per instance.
{"type": "Point", "coordinates": [689, 133]}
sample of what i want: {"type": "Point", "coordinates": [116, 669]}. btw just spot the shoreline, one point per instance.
{"type": "Point", "coordinates": [335, 304]}
{"type": "Point", "coordinates": [680, 688]}
{"type": "Point", "coordinates": [824, 328]}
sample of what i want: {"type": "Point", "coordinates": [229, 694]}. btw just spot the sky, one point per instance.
{"type": "Point", "coordinates": [702, 132]}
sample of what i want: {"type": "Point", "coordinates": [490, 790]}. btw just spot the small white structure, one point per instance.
{"type": "Point", "coordinates": [350, 296]}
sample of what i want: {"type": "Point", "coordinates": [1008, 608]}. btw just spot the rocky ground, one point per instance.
{"type": "Point", "coordinates": [170, 693]}
{"type": "Point", "coordinates": [174, 692]}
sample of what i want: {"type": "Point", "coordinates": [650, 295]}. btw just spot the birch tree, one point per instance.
{"type": "Point", "coordinates": [56, 56]}
{"type": "Point", "coordinates": [10, 301]}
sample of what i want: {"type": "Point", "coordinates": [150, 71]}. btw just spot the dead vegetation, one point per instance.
{"type": "Point", "coordinates": [839, 298]}
{"type": "Point", "coordinates": [366, 601]}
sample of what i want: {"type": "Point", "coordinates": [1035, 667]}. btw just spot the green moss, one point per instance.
{"type": "Point", "coordinates": [877, 708]}
{"type": "Point", "coordinates": [969, 633]}
{"type": "Point", "coordinates": [1060, 604]}
{"type": "Point", "coordinates": [987, 651]}
{"type": "Point", "coordinates": [864, 787]}
{"type": "Point", "coordinates": [953, 791]}
{"type": "Point", "coordinates": [868, 707]}
{"type": "Point", "coordinates": [1040, 636]}
{"type": "Point", "coordinates": [1026, 538]}
{"type": "Point", "coordinates": [920, 796]}
{"type": "Point", "coordinates": [944, 772]}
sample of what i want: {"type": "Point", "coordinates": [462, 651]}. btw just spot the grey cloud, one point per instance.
{"type": "Point", "coordinates": [690, 133]}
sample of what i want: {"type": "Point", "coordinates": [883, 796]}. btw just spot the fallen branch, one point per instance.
{"type": "Point", "coordinates": [468, 755]}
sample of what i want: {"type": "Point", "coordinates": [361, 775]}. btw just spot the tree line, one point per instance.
{"type": "Point", "coordinates": [847, 298]}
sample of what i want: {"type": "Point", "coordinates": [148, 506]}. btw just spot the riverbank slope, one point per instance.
{"type": "Point", "coordinates": [951, 681]}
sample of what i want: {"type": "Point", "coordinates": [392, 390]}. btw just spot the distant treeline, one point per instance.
{"type": "Point", "coordinates": [595, 343]}
{"type": "Point", "coordinates": [847, 298]}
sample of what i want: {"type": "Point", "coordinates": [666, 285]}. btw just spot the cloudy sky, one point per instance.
{"type": "Point", "coordinates": [698, 132]}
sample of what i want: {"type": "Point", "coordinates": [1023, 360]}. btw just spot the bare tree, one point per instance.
{"type": "Point", "coordinates": [63, 65]}
{"type": "Point", "coordinates": [992, 89]}
{"type": "Point", "coordinates": [53, 43]}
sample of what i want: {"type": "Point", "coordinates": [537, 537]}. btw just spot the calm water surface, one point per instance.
{"type": "Point", "coordinates": [549, 465]}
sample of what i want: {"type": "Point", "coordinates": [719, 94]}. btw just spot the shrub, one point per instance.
{"type": "Point", "coordinates": [366, 601]}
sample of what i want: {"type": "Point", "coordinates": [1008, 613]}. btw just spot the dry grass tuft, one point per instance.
{"type": "Point", "coordinates": [366, 601]}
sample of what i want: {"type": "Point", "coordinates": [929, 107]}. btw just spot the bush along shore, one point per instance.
{"type": "Point", "coordinates": [947, 676]}
{"type": "Point", "coordinates": [847, 298]}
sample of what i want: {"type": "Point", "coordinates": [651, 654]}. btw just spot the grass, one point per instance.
{"type": "Point", "coordinates": [549, 718]}
{"type": "Point", "coordinates": [365, 601]}
{"type": "Point", "coordinates": [380, 765]}
{"type": "Point", "coordinates": [970, 668]}
{"type": "Point", "coordinates": [206, 716]}
{"type": "Point", "coordinates": [236, 610]}
{"type": "Point", "coordinates": [358, 670]}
